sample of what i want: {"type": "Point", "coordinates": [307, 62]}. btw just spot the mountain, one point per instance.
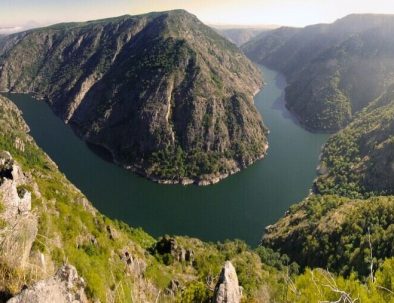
{"type": "Point", "coordinates": [333, 70]}
{"type": "Point", "coordinates": [165, 94]}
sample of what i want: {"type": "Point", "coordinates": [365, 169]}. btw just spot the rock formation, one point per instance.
{"type": "Point", "coordinates": [169, 245]}
{"type": "Point", "coordinates": [20, 225]}
{"type": "Point", "coordinates": [227, 289]}
{"type": "Point", "coordinates": [65, 287]}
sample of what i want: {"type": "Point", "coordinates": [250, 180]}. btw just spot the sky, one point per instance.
{"type": "Point", "coordinates": [29, 13]}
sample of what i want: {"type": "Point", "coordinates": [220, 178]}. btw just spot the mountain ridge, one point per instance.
{"type": "Point", "coordinates": [333, 70]}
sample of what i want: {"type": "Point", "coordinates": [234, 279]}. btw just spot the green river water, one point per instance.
{"type": "Point", "coordinates": [237, 207]}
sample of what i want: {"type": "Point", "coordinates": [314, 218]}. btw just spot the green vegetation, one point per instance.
{"type": "Point", "coordinates": [336, 233]}
{"type": "Point", "coordinates": [167, 163]}
{"type": "Point", "coordinates": [70, 230]}
{"type": "Point", "coordinates": [318, 285]}
{"type": "Point", "coordinates": [357, 162]}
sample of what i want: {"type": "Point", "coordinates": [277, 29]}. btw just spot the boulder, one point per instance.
{"type": "Point", "coordinates": [65, 287]}
{"type": "Point", "coordinates": [227, 289]}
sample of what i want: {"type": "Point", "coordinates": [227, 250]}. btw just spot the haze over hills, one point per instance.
{"type": "Point", "coordinates": [333, 70]}
{"type": "Point", "coordinates": [241, 34]}
{"type": "Point", "coordinates": [165, 94]}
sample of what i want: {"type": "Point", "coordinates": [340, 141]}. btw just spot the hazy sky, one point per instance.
{"type": "Point", "coordinates": [283, 12]}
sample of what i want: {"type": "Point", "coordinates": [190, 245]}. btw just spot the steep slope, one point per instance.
{"type": "Point", "coordinates": [359, 160]}
{"type": "Point", "coordinates": [165, 94]}
{"type": "Point", "coordinates": [333, 70]}
{"type": "Point", "coordinates": [336, 233]}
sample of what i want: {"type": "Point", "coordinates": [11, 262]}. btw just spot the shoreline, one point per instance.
{"type": "Point", "coordinates": [203, 181]}
{"type": "Point", "coordinates": [208, 180]}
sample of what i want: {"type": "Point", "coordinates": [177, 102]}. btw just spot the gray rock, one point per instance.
{"type": "Point", "coordinates": [65, 287]}
{"type": "Point", "coordinates": [20, 224]}
{"type": "Point", "coordinates": [18, 240]}
{"type": "Point", "coordinates": [227, 289]}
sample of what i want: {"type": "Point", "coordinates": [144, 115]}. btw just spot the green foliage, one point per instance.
{"type": "Point", "coordinates": [356, 162]}
{"type": "Point", "coordinates": [333, 232]}
{"type": "Point", "coordinates": [276, 260]}
{"type": "Point", "coordinates": [177, 164]}
{"type": "Point", "coordinates": [195, 292]}
{"type": "Point", "coordinates": [320, 286]}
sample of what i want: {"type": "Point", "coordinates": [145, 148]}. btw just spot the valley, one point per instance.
{"type": "Point", "coordinates": [239, 207]}
{"type": "Point", "coordinates": [295, 155]}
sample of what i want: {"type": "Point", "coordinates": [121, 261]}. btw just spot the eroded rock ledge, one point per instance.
{"type": "Point", "coordinates": [66, 286]}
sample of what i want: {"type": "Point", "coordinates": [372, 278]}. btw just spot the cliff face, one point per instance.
{"type": "Point", "coordinates": [163, 92]}
{"type": "Point", "coordinates": [333, 70]}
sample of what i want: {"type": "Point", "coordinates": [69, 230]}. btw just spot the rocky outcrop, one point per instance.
{"type": "Point", "coordinates": [168, 97]}
{"type": "Point", "coordinates": [65, 287]}
{"type": "Point", "coordinates": [20, 225]}
{"type": "Point", "coordinates": [227, 289]}
{"type": "Point", "coordinates": [169, 245]}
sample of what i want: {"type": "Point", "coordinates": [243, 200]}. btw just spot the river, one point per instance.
{"type": "Point", "coordinates": [237, 207]}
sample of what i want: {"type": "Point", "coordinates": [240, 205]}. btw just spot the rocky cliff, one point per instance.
{"type": "Point", "coordinates": [64, 287]}
{"type": "Point", "coordinates": [165, 94]}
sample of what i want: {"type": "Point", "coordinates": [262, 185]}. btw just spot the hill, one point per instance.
{"type": "Point", "coordinates": [165, 94]}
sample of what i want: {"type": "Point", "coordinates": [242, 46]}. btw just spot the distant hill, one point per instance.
{"type": "Point", "coordinates": [164, 93]}
{"type": "Point", "coordinates": [333, 70]}
{"type": "Point", "coordinates": [241, 35]}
